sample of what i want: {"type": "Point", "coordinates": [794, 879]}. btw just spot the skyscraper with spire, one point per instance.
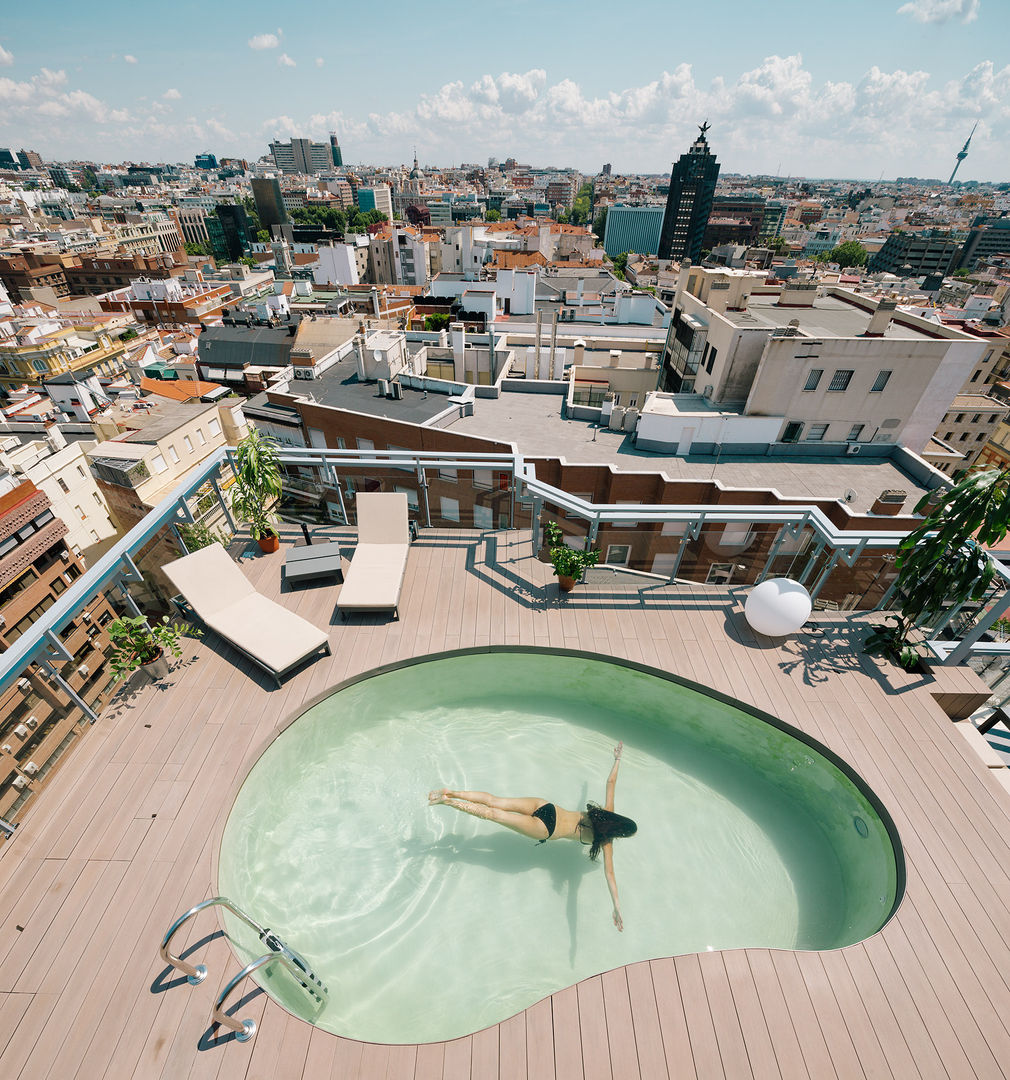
{"type": "Point", "coordinates": [962, 154]}
{"type": "Point", "coordinates": [689, 203]}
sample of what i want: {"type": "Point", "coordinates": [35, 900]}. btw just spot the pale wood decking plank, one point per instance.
{"type": "Point", "coordinates": [567, 1038]}
{"type": "Point", "coordinates": [760, 1052]}
{"type": "Point", "coordinates": [726, 1023]}
{"type": "Point", "coordinates": [593, 1030]}
{"type": "Point", "coordinates": [430, 1062]}
{"type": "Point", "coordinates": [672, 1018]}
{"type": "Point", "coordinates": [698, 1015]}
{"type": "Point", "coordinates": [12, 1010]}
{"type": "Point", "coordinates": [456, 1063]}
{"type": "Point", "coordinates": [778, 1019]}
{"type": "Point", "coordinates": [484, 1055]}
{"type": "Point", "coordinates": [645, 1016]}
{"type": "Point", "coordinates": [855, 1017]}
{"type": "Point", "coordinates": [620, 1025]}
{"type": "Point", "coordinates": [512, 1048]}
{"type": "Point", "coordinates": [17, 1052]}
{"type": "Point", "coordinates": [540, 1048]}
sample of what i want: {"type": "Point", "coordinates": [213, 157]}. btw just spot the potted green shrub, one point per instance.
{"type": "Point", "coordinates": [569, 563]}
{"type": "Point", "coordinates": [140, 644]}
{"type": "Point", "coordinates": [943, 563]}
{"type": "Point", "coordinates": [258, 486]}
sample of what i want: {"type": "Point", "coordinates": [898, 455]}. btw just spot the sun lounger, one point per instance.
{"type": "Point", "coordinates": [375, 577]}
{"type": "Point", "coordinates": [222, 597]}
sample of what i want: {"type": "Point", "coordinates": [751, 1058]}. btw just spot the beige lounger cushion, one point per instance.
{"type": "Point", "coordinates": [223, 597]}
{"type": "Point", "coordinates": [375, 577]}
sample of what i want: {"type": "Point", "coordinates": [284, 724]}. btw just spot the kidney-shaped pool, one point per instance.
{"type": "Point", "coordinates": [426, 924]}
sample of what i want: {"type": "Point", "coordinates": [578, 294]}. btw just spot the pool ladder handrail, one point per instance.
{"type": "Point", "coordinates": [280, 953]}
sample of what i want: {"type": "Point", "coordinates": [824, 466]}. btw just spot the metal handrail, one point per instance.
{"type": "Point", "coordinates": [196, 974]}
{"type": "Point", "coordinates": [246, 1029]}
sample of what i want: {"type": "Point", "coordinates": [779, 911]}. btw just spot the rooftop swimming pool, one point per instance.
{"type": "Point", "coordinates": [426, 924]}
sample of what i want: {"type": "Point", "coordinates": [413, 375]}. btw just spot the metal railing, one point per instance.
{"type": "Point", "coordinates": [831, 546]}
{"type": "Point", "coordinates": [279, 953]}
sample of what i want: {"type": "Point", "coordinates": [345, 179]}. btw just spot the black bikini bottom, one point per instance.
{"type": "Point", "coordinates": [548, 814]}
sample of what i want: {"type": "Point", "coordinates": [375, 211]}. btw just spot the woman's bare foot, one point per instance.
{"type": "Point", "coordinates": [439, 796]}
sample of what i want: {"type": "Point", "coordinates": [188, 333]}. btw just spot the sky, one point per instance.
{"type": "Point", "coordinates": [865, 89]}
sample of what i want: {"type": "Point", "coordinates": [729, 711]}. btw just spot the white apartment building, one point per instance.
{"type": "Point", "coordinates": [60, 469]}
{"type": "Point", "coordinates": [840, 373]}
{"type": "Point", "coordinates": [342, 264]}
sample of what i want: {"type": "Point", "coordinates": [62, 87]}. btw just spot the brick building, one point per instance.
{"type": "Point", "coordinates": [39, 721]}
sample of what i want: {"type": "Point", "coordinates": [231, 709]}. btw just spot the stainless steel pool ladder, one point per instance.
{"type": "Point", "coordinates": [279, 953]}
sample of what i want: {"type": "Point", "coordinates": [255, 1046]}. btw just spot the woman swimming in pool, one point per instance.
{"type": "Point", "coordinates": [597, 826]}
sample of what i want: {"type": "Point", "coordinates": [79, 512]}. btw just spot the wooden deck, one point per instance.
{"type": "Point", "coordinates": [120, 843]}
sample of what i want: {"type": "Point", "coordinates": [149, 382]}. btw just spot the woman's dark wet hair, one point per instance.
{"type": "Point", "coordinates": [606, 825]}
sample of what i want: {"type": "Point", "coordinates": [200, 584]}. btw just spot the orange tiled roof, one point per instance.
{"type": "Point", "coordinates": [518, 260]}
{"type": "Point", "coordinates": [178, 389]}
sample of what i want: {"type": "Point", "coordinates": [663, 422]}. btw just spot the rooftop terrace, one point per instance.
{"type": "Point", "coordinates": [124, 839]}
{"type": "Point", "coordinates": [533, 422]}
{"type": "Point", "coordinates": [829, 317]}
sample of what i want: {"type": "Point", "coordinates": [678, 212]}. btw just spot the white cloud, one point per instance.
{"type": "Point", "coordinates": [285, 61]}
{"type": "Point", "coordinates": [171, 94]}
{"type": "Point", "coordinates": [320, 61]}
{"type": "Point", "coordinates": [129, 58]}
{"type": "Point", "coordinates": [941, 11]}
{"type": "Point", "coordinates": [6, 57]}
{"type": "Point", "coordinates": [264, 41]}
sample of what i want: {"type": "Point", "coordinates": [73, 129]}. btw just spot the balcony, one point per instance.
{"type": "Point", "coordinates": [124, 836]}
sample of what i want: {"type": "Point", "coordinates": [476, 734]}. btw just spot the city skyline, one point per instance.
{"type": "Point", "coordinates": [780, 93]}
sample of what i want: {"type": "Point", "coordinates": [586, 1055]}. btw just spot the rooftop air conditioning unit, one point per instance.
{"type": "Point", "coordinates": [21, 731]}
{"type": "Point", "coordinates": [397, 390]}
{"type": "Point", "coordinates": [24, 684]}
{"type": "Point", "coordinates": [384, 387]}
{"type": "Point", "coordinates": [86, 616]}
{"type": "Point", "coordinates": [853, 448]}
{"type": "Point", "coordinates": [65, 556]}
{"type": "Point", "coordinates": [6, 748]}
{"type": "Point", "coordinates": [18, 783]}
{"type": "Point", "coordinates": [84, 670]}
{"type": "Point", "coordinates": [32, 721]}
{"type": "Point", "coordinates": [31, 768]}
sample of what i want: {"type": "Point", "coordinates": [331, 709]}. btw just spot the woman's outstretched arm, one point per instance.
{"type": "Point", "coordinates": [612, 778]}
{"type": "Point", "coordinates": [608, 869]}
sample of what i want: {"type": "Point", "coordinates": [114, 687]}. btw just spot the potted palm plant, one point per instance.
{"type": "Point", "coordinates": [140, 644]}
{"type": "Point", "coordinates": [942, 563]}
{"type": "Point", "coordinates": [258, 486]}
{"type": "Point", "coordinates": [569, 563]}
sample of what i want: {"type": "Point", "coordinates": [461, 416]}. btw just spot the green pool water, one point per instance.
{"type": "Point", "coordinates": [426, 924]}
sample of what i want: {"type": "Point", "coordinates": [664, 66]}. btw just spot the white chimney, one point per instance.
{"type": "Point", "coordinates": [880, 320]}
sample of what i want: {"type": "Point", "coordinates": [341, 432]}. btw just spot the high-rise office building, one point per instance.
{"type": "Point", "coordinates": [633, 228]}
{"type": "Point", "coordinates": [30, 159]}
{"type": "Point", "coordinates": [205, 161]}
{"type": "Point", "coordinates": [689, 202]}
{"type": "Point", "coordinates": [235, 227]}
{"type": "Point", "coordinates": [269, 202]}
{"type": "Point", "coordinates": [338, 157]}
{"type": "Point", "coordinates": [301, 156]}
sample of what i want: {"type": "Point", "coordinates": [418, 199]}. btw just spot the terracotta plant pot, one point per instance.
{"type": "Point", "coordinates": [269, 543]}
{"type": "Point", "coordinates": [566, 584]}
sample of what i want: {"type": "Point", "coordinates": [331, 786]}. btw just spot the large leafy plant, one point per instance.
{"type": "Point", "coordinates": [567, 561]}
{"type": "Point", "coordinates": [137, 642]}
{"type": "Point", "coordinates": [943, 563]}
{"type": "Point", "coordinates": [258, 482]}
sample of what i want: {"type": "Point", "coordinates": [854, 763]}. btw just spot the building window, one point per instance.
{"type": "Point", "coordinates": [200, 435]}
{"type": "Point", "coordinates": [948, 436]}
{"type": "Point", "coordinates": [879, 383]}
{"type": "Point", "coordinates": [97, 497]}
{"type": "Point", "coordinates": [158, 464]}
{"type": "Point", "coordinates": [618, 554]}
{"type": "Point", "coordinates": [214, 426]}
{"type": "Point", "coordinates": [63, 484]}
{"type": "Point", "coordinates": [173, 454]}
{"type": "Point", "coordinates": [959, 419]}
{"type": "Point", "coordinates": [854, 433]}
{"type": "Point", "coordinates": [80, 513]}
{"type": "Point", "coordinates": [792, 432]}
{"type": "Point", "coordinates": [993, 418]}
{"type": "Point", "coordinates": [483, 478]}
{"type": "Point", "coordinates": [813, 378]}
{"type": "Point", "coordinates": [719, 574]}
{"type": "Point", "coordinates": [189, 444]}
{"type": "Point", "coordinates": [840, 380]}
{"type": "Point", "coordinates": [977, 418]}
{"type": "Point", "coordinates": [816, 432]}
{"type": "Point", "coordinates": [80, 469]}
{"type": "Point", "coordinates": [365, 444]}
{"type": "Point", "coordinates": [449, 509]}
{"type": "Point", "coordinates": [483, 517]}
{"type": "Point", "coordinates": [980, 436]}
{"type": "Point", "coordinates": [963, 437]}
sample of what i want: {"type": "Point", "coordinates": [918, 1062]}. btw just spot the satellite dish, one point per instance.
{"type": "Point", "coordinates": [849, 495]}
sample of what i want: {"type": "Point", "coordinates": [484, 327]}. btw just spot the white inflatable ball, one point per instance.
{"type": "Point", "coordinates": [777, 607]}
